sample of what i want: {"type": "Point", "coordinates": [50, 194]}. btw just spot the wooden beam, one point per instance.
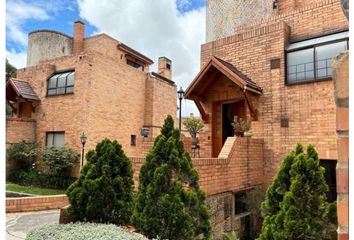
{"type": "Point", "coordinates": [204, 115]}
{"type": "Point", "coordinates": [254, 112]}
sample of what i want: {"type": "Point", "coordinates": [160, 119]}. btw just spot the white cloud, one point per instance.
{"type": "Point", "coordinates": [17, 13]}
{"type": "Point", "coordinates": [155, 28]}
{"type": "Point", "coordinates": [17, 59]}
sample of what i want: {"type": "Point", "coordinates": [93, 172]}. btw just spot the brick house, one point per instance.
{"type": "Point", "coordinates": [94, 84]}
{"type": "Point", "coordinates": [269, 61]}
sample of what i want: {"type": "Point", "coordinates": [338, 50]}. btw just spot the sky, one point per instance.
{"type": "Point", "coordinates": [171, 28]}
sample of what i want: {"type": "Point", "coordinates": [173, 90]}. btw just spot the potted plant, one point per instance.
{"type": "Point", "coordinates": [242, 127]}
{"type": "Point", "coordinates": [194, 126]}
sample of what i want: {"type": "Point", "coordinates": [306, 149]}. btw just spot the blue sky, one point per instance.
{"type": "Point", "coordinates": [65, 13]}
{"type": "Point", "coordinates": [171, 28]}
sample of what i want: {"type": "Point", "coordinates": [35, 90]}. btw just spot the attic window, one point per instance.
{"type": "Point", "coordinates": [135, 65]}
{"type": "Point", "coordinates": [61, 83]}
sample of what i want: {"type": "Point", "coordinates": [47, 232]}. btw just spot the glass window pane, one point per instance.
{"type": "Point", "coordinates": [59, 139]}
{"type": "Point", "coordinates": [61, 90]}
{"type": "Point", "coordinates": [69, 89]}
{"type": "Point", "coordinates": [52, 82]}
{"type": "Point", "coordinates": [300, 63]}
{"type": "Point", "coordinates": [49, 142]}
{"type": "Point", "coordinates": [52, 91]}
{"type": "Point", "coordinates": [62, 80]}
{"type": "Point", "coordinates": [71, 79]}
{"type": "Point", "coordinates": [324, 56]}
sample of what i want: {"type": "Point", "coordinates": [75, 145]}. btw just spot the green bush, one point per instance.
{"type": "Point", "coordinates": [37, 178]}
{"type": "Point", "coordinates": [60, 160]}
{"type": "Point", "coordinates": [24, 154]}
{"type": "Point", "coordinates": [82, 231]}
{"type": "Point", "coordinates": [170, 203]}
{"type": "Point", "coordinates": [295, 206]}
{"type": "Point", "coordinates": [104, 191]}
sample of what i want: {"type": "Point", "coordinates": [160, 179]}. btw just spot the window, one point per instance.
{"type": "Point", "coordinates": [168, 66]}
{"type": "Point", "coordinates": [55, 139]}
{"type": "Point", "coordinates": [240, 206]}
{"type": "Point", "coordinates": [136, 65]}
{"type": "Point", "coordinates": [61, 83]}
{"type": "Point", "coordinates": [132, 140]}
{"type": "Point", "coordinates": [311, 60]}
{"type": "Point", "coordinates": [330, 176]}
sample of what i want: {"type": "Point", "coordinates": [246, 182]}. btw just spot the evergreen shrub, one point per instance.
{"type": "Point", "coordinates": [170, 203]}
{"type": "Point", "coordinates": [103, 192]}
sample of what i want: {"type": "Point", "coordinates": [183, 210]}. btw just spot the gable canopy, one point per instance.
{"type": "Point", "coordinates": [206, 76]}
{"type": "Point", "coordinates": [20, 89]}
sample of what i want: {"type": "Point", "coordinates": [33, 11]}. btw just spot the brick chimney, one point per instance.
{"type": "Point", "coordinates": [165, 67]}
{"type": "Point", "coordinates": [79, 34]}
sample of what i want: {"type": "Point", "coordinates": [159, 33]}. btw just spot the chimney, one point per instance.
{"type": "Point", "coordinates": [79, 34]}
{"type": "Point", "coordinates": [165, 67]}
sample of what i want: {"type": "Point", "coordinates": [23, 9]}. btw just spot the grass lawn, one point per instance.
{"type": "Point", "coordinates": [33, 190]}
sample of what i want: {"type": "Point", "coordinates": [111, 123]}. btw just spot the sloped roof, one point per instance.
{"type": "Point", "coordinates": [135, 53]}
{"type": "Point", "coordinates": [228, 70]}
{"type": "Point", "coordinates": [21, 88]}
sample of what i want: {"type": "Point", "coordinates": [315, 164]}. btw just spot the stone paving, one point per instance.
{"type": "Point", "coordinates": [19, 224]}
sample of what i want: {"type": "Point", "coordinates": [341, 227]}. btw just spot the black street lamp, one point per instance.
{"type": "Point", "coordinates": [83, 139]}
{"type": "Point", "coordinates": [180, 97]}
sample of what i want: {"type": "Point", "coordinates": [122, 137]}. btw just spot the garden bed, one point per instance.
{"type": "Point", "coordinates": [82, 231]}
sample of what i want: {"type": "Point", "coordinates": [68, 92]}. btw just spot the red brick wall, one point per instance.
{"type": "Point", "coordinates": [109, 99]}
{"type": "Point", "coordinates": [316, 18]}
{"type": "Point", "coordinates": [341, 95]}
{"type": "Point", "coordinates": [29, 204]}
{"type": "Point", "coordinates": [310, 107]}
{"type": "Point", "coordinates": [243, 168]}
{"type": "Point", "coordinates": [18, 130]}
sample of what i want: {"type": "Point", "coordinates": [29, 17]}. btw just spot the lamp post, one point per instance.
{"type": "Point", "coordinates": [83, 139]}
{"type": "Point", "coordinates": [180, 97]}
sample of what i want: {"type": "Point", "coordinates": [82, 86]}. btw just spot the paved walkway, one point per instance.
{"type": "Point", "coordinates": [19, 224]}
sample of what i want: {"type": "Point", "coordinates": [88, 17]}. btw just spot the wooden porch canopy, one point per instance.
{"type": "Point", "coordinates": [19, 92]}
{"type": "Point", "coordinates": [16, 89]}
{"type": "Point", "coordinates": [206, 76]}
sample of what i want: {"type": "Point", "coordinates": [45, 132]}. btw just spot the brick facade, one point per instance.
{"type": "Point", "coordinates": [310, 107]}
{"type": "Point", "coordinates": [111, 98]}
{"type": "Point", "coordinates": [341, 96]}
{"type": "Point", "coordinates": [38, 203]}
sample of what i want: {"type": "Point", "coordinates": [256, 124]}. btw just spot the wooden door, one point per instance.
{"type": "Point", "coordinates": [217, 128]}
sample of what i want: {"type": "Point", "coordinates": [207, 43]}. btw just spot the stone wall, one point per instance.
{"type": "Point", "coordinates": [223, 16]}
{"type": "Point", "coordinates": [47, 44]}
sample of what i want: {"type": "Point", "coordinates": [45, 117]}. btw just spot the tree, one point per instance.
{"type": "Point", "coordinates": [104, 191]}
{"type": "Point", "coordinates": [295, 206]}
{"type": "Point", "coordinates": [170, 203]}
{"type": "Point", "coordinates": [10, 71]}
{"type": "Point", "coordinates": [60, 160]}
{"type": "Point", "coordinates": [23, 154]}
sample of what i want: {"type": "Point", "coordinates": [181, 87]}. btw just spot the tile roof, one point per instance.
{"type": "Point", "coordinates": [23, 89]}
{"type": "Point", "coordinates": [240, 74]}
{"type": "Point", "coordinates": [202, 80]}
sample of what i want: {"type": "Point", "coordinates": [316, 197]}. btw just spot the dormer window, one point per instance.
{"type": "Point", "coordinates": [135, 64]}
{"type": "Point", "coordinates": [61, 83]}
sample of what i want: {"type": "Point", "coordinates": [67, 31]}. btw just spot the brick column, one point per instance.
{"type": "Point", "coordinates": [341, 95]}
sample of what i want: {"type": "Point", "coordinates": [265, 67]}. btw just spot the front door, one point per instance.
{"type": "Point", "coordinates": [223, 115]}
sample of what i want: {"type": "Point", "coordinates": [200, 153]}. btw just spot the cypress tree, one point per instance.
{"type": "Point", "coordinates": [170, 203]}
{"type": "Point", "coordinates": [295, 206]}
{"type": "Point", "coordinates": [104, 191]}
